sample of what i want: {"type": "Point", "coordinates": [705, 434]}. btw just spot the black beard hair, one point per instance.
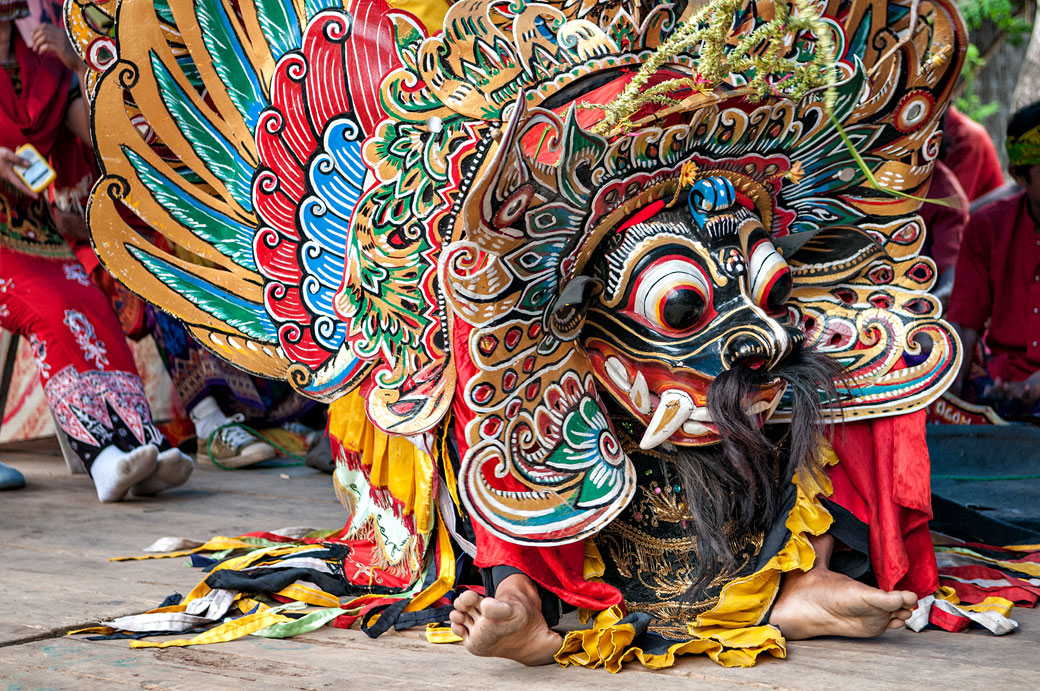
{"type": "Point", "coordinates": [732, 488]}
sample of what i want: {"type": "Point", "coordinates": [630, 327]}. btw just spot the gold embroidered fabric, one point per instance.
{"type": "Point", "coordinates": [732, 631]}
{"type": "Point", "coordinates": [650, 554]}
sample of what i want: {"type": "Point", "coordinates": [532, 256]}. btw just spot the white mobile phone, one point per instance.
{"type": "Point", "coordinates": [38, 174]}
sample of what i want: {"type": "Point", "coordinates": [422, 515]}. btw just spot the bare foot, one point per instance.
{"type": "Point", "coordinates": [509, 625]}
{"type": "Point", "coordinates": [820, 602]}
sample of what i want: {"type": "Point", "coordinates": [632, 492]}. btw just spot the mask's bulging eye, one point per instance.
{"type": "Point", "coordinates": [682, 308]}
{"type": "Point", "coordinates": [671, 295]}
{"type": "Point", "coordinates": [771, 280]}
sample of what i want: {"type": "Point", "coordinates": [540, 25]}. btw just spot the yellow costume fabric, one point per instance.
{"type": "Point", "coordinates": [732, 633]}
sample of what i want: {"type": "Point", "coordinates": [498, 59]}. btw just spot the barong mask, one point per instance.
{"type": "Point", "coordinates": [472, 219]}
{"type": "Point", "coordinates": [687, 294]}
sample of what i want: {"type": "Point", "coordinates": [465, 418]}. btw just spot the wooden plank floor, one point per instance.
{"type": "Point", "coordinates": [55, 540]}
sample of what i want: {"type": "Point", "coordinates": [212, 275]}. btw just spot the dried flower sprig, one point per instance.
{"type": "Point", "coordinates": [759, 56]}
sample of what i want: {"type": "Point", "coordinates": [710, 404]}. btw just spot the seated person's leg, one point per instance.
{"type": "Point", "coordinates": [90, 380]}
{"type": "Point", "coordinates": [201, 382]}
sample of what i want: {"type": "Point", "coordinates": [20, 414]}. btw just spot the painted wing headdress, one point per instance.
{"type": "Point", "coordinates": [358, 201]}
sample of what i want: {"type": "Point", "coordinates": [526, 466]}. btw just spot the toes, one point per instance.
{"type": "Point", "coordinates": [885, 601]}
{"type": "Point", "coordinates": [909, 599]}
{"type": "Point", "coordinates": [468, 601]}
{"type": "Point", "coordinates": [458, 625]}
{"type": "Point", "coordinates": [895, 624]}
{"type": "Point", "coordinates": [496, 609]}
{"type": "Point", "coordinates": [462, 617]}
{"type": "Point", "coordinates": [902, 614]}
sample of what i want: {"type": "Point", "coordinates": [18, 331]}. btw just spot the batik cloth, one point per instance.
{"type": "Point", "coordinates": [86, 369]}
{"type": "Point", "coordinates": [197, 373]}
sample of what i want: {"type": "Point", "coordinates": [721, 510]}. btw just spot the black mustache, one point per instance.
{"type": "Point", "coordinates": [732, 489]}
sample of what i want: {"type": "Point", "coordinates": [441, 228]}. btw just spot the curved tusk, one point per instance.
{"type": "Point", "coordinates": [674, 410]}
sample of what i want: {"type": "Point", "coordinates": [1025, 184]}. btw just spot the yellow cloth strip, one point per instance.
{"type": "Point", "coordinates": [214, 544]}
{"type": "Point", "coordinates": [1024, 548]}
{"type": "Point", "coordinates": [227, 631]}
{"type": "Point", "coordinates": [311, 596]}
{"type": "Point", "coordinates": [991, 604]}
{"type": "Point", "coordinates": [394, 463]}
{"type": "Point", "coordinates": [446, 468]}
{"type": "Point", "coordinates": [594, 566]}
{"type": "Point", "coordinates": [435, 633]}
{"type": "Point", "coordinates": [103, 630]}
{"type": "Point", "coordinates": [445, 573]}
{"type": "Point", "coordinates": [731, 633]}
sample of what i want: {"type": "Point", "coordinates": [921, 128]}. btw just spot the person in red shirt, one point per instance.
{"type": "Point", "coordinates": [968, 151]}
{"type": "Point", "coordinates": [944, 222]}
{"type": "Point", "coordinates": [998, 279]}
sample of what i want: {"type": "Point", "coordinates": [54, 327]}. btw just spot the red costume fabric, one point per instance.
{"type": "Point", "coordinates": [944, 225]}
{"type": "Point", "coordinates": [883, 480]}
{"type": "Point", "coordinates": [998, 279]}
{"type": "Point", "coordinates": [970, 154]}
{"type": "Point", "coordinates": [86, 369]}
{"type": "Point", "coordinates": [33, 114]}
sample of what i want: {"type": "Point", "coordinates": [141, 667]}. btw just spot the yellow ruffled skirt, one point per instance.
{"type": "Point", "coordinates": [732, 633]}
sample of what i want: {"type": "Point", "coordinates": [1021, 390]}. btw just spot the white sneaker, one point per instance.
{"type": "Point", "coordinates": [234, 446]}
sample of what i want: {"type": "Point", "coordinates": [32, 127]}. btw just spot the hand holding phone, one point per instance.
{"type": "Point", "coordinates": [38, 174]}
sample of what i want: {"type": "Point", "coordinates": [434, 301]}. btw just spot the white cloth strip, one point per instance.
{"type": "Point", "coordinates": [447, 508]}
{"type": "Point", "coordinates": [994, 622]}
{"type": "Point", "coordinates": [213, 605]}
{"type": "Point", "coordinates": [294, 563]}
{"type": "Point", "coordinates": [174, 622]}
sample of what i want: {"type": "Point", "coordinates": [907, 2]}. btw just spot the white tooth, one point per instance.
{"type": "Point", "coordinates": [673, 411]}
{"type": "Point", "coordinates": [767, 406]}
{"type": "Point", "coordinates": [758, 407]}
{"type": "Point", "coordinates": [694, 428]}
{"type": "Point", "coordinates": [617, 373]}
{"type": "Point", "coordinates": [701, 414]}
{"type": "Point", "coordinates": [640, 394]}
{"type": "Point", "coordinates": [775, 403]}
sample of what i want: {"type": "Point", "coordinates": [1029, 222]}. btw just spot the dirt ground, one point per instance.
{"type": "Point", "coordinates": [55, 539]}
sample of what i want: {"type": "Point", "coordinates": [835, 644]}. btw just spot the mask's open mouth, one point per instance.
{"type": "Point", "coordinates": [673, 406]}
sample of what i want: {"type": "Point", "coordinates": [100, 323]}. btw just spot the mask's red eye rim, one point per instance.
{"type": "Point", "coordinates": [766, 268]}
